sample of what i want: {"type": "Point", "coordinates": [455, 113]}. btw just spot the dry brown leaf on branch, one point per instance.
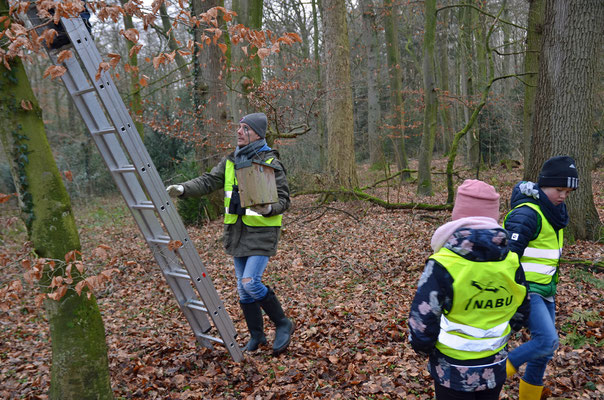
{"type": "Point", "coordinates": [39, 299]}
{"type": "Point", "coordinates": [130, 34]}
{"type": "Point", "coordinates": [148, 20]}
{"type": "Point", "coordinates": [174, 244]}
{"type": "Point", "coordinates": [57, 281]}
{"type": "Point", "coordinates": [135, 50]}
{"type": "Point", "coordinates": [144, 81]}
{"type": "Point", "coordinates": [5, 197]}
{"type": "Point", "coordinates": [26, 105]}
{"type": "Point", "coordinates": [58, 293]}
{"type": "Point", "coordinates": [159, 60]}
{"type": "Point", "coordinates": [72, 255]}
{"type": "Point", "coordinates": [103, 66]}
{"type": "Point", "coordinates": [54, 71]}
{"type": "Point", "coordinates": [26, 263]}
{"type": "Point", "coordinates": [64, 55]}
{"type": "Point", "coordinates": [114, 59]}
{"type": "Point", "coordinates": [263, 52]}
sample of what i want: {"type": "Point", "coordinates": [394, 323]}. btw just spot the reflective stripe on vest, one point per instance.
{"type": "Point", "coordinates": [485, 297]}
{"type": "Point", "coordinates": [542, 255]}
{"type": "Point", "coordinates": [251, 218]}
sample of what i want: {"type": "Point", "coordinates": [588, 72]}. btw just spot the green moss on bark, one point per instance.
{"type": "Point", "coordinates": [79, 352]}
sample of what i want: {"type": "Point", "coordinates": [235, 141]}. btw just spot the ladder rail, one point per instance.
{"type": "Point", "coordinates": [115, 136]}
{"type": "Point", "coordinates": [129, 136]}
{"type": "Point", "coordinates": [129, 187]}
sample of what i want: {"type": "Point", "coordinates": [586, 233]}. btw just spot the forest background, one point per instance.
{"type": "Point", "coordinates": [382, 107]}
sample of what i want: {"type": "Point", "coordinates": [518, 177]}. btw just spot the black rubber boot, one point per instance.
{"type": "Point", "coordinates": [253, 319]}
{"type": "Point", "coordinates": [284, 326]}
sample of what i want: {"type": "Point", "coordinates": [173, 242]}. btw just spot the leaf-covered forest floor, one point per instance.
{"type": "Point", "coordinates": [345, 272]}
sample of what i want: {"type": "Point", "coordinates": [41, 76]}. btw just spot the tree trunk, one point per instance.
{"type": "Point", "coordinates": [316, 9]}
{"type": "Point", "coordinates": [79, 353]}
{"type": "Point", "coordinates": [209, 98]}
{"type": "Point", "coordinates": [376, 155]}
{"type": "Point", "coordinates": [478, 30]}
{"type": "Point", "coordinates": [531, 65]}
{"type": "Point", "coordinates": [247, 72]}
{"type": "Point", "coordinates": [168, 33]}
{"type": "Point", "coordinates": [396, 86]}
{"type": "Point", "coordinates": [134, 97]}
{"type": "Point", "coordinates": [447, 121]}
{"type": "Point", "coordinates": [566, 99]}
{"type": "Point", "coordinates": [467, 77]}
{"type": "Point", "coordinates": [339, 111]}
{"type": "Point", "coordinates": [424, 181]}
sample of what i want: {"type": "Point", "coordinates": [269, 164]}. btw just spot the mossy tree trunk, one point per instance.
{"type": "Point", "coordinates": [79, 352]}
{"type": "Point", "coordinates": [424, 180]}
{"type": "Point", "coordinates": [340, 131]}
{"type": "Point", "coordinates": [565, 104]}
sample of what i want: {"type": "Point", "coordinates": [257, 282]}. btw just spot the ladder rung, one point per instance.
{"type": "Point", "coordinates": [144, 205]}
{"type": "Point", "coordinates": [179, 273]}
{"type": "Point", "coordinates": [125, 168]}
{"type": "Point", "coordinates": [160, 239]}
{"type": "Point", "coordinates": [208, 337]}
{"type": "Point", "coordinates": [196, 305]}
{"type": "Point", "coordinates": [83, 91]}
{"type": "Point", "coordinates": [103, 131]}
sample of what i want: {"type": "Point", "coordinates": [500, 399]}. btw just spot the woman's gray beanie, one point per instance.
{"type": "Point", "coordinates": [256, 121]}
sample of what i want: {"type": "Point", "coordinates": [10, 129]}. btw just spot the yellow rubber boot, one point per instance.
{"type": "Point", "coordinates": [529, 392]}
{"type": "Point", "coordinates": [510, 370]}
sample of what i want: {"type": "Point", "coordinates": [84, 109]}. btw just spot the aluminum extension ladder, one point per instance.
{"type": "Point", "coordinates": [124, 153]}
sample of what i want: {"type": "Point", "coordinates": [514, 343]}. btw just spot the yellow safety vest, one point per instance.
{"type": "Point", "coordinates": [251, 218]}
{"type": "Point", "coordinates": [485, 297]}
{"type": "Point", "coordinates": [542, 255]}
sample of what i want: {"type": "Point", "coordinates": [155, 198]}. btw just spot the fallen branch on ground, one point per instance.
{"type": "Point", "coordinates": [589, 265]}
{"type": "Point", "coordinates": [359, 194]}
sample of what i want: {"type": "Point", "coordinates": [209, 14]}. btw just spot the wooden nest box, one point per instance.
{"type": "Point", "coordinates": [257, 184]}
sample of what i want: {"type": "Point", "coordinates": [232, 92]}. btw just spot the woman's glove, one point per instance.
{"type": "Point", "coordinates": [175, 190]}
{"type": "Point", "coordinates": [262, 209]}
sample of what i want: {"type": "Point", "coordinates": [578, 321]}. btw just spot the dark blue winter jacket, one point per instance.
{"type": "Point", "coordinates": [523, 223]}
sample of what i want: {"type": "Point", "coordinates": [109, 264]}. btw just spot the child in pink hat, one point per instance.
{"type": "Point", "coordinates": [469, 298]}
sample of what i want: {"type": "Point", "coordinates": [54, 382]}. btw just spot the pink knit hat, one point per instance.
{"type": "Point", "coordinates": [476, 199]}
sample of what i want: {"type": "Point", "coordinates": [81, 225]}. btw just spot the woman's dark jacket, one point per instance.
{"type": "Point", "coordinates": [239, 239]}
